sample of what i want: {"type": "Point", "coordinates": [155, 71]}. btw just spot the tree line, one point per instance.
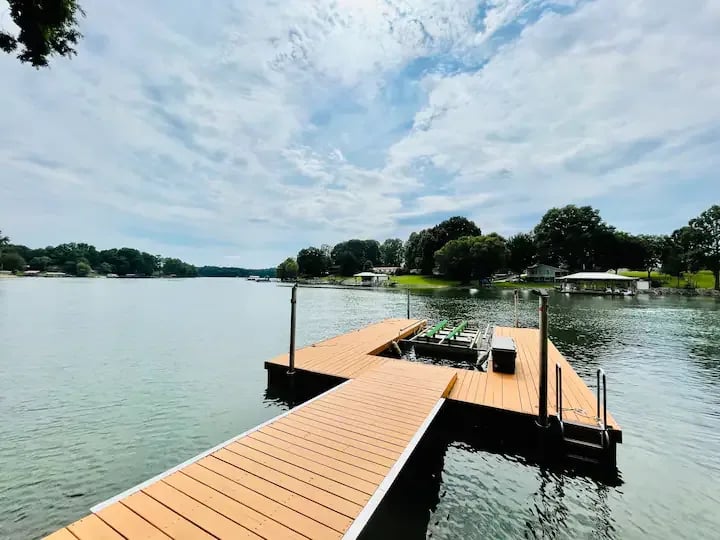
{"type": "Point", "coordinates": [80, 259]}
{"type": "Point", "coordinates": [346, 258]}
{"type": "Point", "coordinates": [575, 238]}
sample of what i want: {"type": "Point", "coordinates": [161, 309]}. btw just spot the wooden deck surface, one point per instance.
{"type": "Point", "coordinates": [318, 471]}
{"type": "Point", "coordinates": [348, 355]}
{"type": "Point", "coordinates": [519, 392]}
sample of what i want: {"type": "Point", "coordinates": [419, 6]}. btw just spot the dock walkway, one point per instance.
{"type": "Point", "coordinates": [318, 471]}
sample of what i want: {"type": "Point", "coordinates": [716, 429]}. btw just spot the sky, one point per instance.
{"type": "Point", "coordinates": [236, 133]}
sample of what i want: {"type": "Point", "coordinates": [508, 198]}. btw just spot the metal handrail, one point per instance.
{"type": "Point", "coordinates": [558, 391]}
{"type": "Point", "coordinates": [600, 371]}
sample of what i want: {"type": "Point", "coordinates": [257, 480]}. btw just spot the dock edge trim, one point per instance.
{"type": "Point", "coordinates": [364, 517]}
{"type": "Point", "coordinates": [100, 506]}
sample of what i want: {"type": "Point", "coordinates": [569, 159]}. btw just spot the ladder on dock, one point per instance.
{"type": "Point", "coordinates": [582, 442]}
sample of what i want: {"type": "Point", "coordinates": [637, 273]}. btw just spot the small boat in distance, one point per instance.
{"type": "Point", "coordinates": [253, 278]}
{"type": "Point", "coordinates": [263, 279]}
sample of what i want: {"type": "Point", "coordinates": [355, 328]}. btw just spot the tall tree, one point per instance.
{"type": "Point", "coordinates": [351, 256]}
{"type": "Point", "coordinates": [312, 262]}
{"type": "Point", "coordinates": [652, 247]}
{"type": "Point", "coordinates": [422, 247]}
{"type": "Point", "coordinates": [707, 240]}
{"type": "Point", "coordinates": [520, 252]}
{"type": "Point", "coordinates": [12, 261]}
{"type": "Point", "coordinates": [455, 259]}
{"type": "Point", "coordinates": [46, 28]}
{"type": "Point", "coordinates": [471, 257]}
{"type": "Point", "coordinates": [489, 255]}
{"type": "Point", "coordinates": [571, 236]}
{"type": "Point", "coordinates": [372, 252]}
{"type": "Point", "coordinates": [679, 253]}
{"type": "Point", "coordinates": [178, 268]}
{"type": "Point", "coordinates": [412, 254]}
{"type": "Point", "coordinates": [391, 252]}
{"type": "Point", "coordinates": [288, 269]}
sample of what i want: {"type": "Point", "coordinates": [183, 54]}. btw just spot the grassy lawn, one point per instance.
{"type": "Point", "coordinates": [701, 280]}
{"type": "Point", "coordinates": [425, 282]}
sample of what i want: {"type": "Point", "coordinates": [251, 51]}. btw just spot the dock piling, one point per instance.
{"type": "Point", "coordinates": [291, 359]}
{"type": "Point", "coordinates": [408, 303]}
{"type": "Point", "coordinates": [543, 382]}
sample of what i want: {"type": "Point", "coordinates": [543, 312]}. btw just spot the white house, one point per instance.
{"type": "Point", "coordinates": [544, 272]}
{"type": "Point", "coordinates": [370, 279]}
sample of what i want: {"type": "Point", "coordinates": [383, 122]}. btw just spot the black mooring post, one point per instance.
{"type": "Point", "coordinates": [543, 385]}
{"type": "Point", "coordinates": [293, 302]}
{"type": "Point", "coordinates": [408, 303]}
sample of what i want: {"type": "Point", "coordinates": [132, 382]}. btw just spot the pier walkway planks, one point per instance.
{"type": "Point", "coordinates": [317, 471]}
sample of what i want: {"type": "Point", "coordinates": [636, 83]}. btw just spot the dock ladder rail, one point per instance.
{"type": "Point", "coordinates": [602, 420]}
{"type": "Point", "coordinates": [558, 394]}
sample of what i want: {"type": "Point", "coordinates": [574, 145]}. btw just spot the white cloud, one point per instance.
{"type": "Point", "coordinates": [191, 130]}
{"type": "Point", "coordinates": [580, 106]}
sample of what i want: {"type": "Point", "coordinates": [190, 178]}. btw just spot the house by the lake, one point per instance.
{"type": "Point", "coordinates": [544, 272]}
{"type": "Point", "coordinates": [370, 279]}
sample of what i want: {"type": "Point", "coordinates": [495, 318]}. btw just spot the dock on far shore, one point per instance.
{"type": "Point", "coordinates": [321, 469]}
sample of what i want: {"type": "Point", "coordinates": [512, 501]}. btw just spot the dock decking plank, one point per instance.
{"type": "Point", "coordinates": [93, 528]}
{"type": "Point", "coordinates": [356, 448]}
{"type": "Point", "coordinates": [168, 521]}
{"type": "Point", "coordinates": [276, 519]}
{"type": "Point", "coordinates": [332, 453]}
{"type": "Point", "coordinates": [349, 493]}
{"type": "Point", "coordinates": [129, 524]}
{"type": "Point", "coordinates": [302, 504]}
{"type": "Point", "coordinates": [62, 534]}
{"type": "Point", "coordinates": [323, 498]}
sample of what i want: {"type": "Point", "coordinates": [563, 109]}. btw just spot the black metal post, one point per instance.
{"type": "Point", "coordinates": [604, 401]}
{"type": "Point", "coordinates": [543, 383]}
{"type": "Point", "coordinates": [598, 393]}
{"type": "Point", "coordinates": [293, 302]}
{"type": "Point", "coordinates": [408, 303]}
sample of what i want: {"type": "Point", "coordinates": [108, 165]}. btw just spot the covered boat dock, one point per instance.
{"type": "Point", "coordinates": [598, 283]}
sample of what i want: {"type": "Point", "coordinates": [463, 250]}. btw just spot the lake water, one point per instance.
{"type": "Point", "coordinates": [104, 383]}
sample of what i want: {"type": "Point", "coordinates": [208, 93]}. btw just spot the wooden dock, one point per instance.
{"type": "Point", "coordinates": [321, 469]}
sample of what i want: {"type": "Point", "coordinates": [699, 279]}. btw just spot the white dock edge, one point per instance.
{"type": "Point", "coordinates": [206, 453]}
{"type": "Point", "coordinates": [359, 524]}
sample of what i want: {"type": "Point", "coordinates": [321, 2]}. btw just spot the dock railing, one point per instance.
{"type": "Point", "coordinates": [603, 418]}
{"type": "Point", "coordinates": [558, 392]}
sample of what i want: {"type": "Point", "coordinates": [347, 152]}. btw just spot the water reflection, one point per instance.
{"type": "Point", "coordinates": [468, 483]}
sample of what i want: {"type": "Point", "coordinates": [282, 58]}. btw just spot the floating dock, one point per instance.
{"type": "Point", "coordinates": [321, 469]}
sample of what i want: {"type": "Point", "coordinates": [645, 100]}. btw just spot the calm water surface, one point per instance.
{"type": "Point", "coordinates": [104, 383]}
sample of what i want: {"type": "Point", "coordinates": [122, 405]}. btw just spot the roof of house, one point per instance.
{"type": "Point", "coordinates": [596, 276]}
{"type": "Point", "coordinates": [547, 265]}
